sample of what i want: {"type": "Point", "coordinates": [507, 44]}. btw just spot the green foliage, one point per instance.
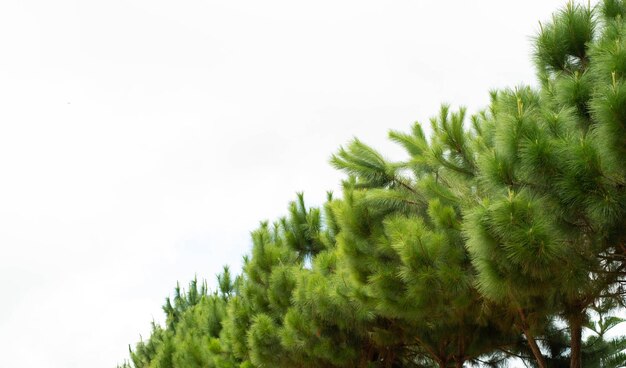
{"type": "Point", "coordinates": [561, 45]}
{"type": "Point", "coordinates": [500, 235]}
{"type": "Point", "coordinates": [193, 327]}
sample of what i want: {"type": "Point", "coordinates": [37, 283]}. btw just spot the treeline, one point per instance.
{"type": "Point", "coordinates": [502, 236]}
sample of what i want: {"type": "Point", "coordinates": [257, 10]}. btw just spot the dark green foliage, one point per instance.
{"type": "Point", "coordinates": [598, 349]}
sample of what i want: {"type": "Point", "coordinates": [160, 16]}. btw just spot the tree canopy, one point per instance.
{"type": "Point", "coordinates": [501, 236]}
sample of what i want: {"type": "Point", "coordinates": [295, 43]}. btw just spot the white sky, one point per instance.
{"type": "Point", "coordinates": [141, 141]}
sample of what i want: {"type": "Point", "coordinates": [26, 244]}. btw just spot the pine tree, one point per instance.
{"type": "Point", "coordinates": [401, 236]}
{"type": "Point", "coordinates": [556, 176]}
{"type": "Point", "coordinates": [502, 236]}
{"type": "Point", "coordinates": [256, 317]}
{"type": "Point", "coordinates": [325, 326]}
{"type": "Point", "coordinates": [193, 325]}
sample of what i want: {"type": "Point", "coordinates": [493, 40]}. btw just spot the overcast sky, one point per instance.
{"type": "Point", "coordinates": [142, 140]}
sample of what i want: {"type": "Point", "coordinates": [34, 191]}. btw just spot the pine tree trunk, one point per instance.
{"type": "Point", "coordinates": [459, 359]}
{"type": "Point", "coordinates": [389, 358]}
{"type": "Point", "coordinates": [541, 362]}
{"type": "Point", "coordinates": [576, 328]}
{"type": "Point", "coordinates": [366, 357]}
